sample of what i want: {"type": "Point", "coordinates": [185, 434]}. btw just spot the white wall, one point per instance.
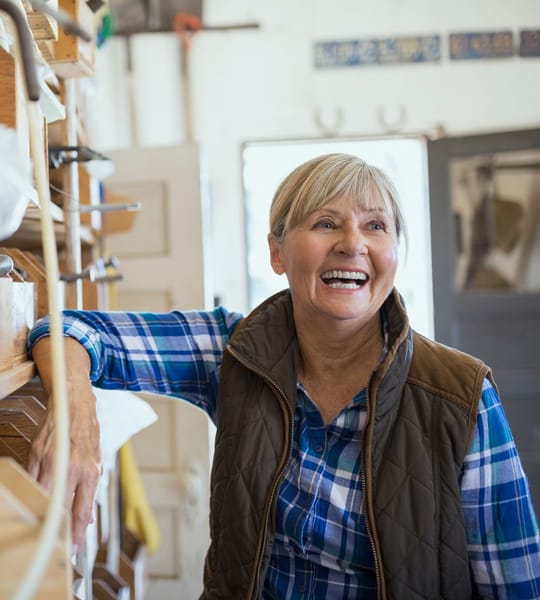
{"type": "Point", "coordinates": [260, 84]}
{"type": "Point", "coordinates": [257, 84]}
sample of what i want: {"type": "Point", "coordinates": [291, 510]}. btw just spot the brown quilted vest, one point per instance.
{"type": "Point", "coordinates": [423, 401]}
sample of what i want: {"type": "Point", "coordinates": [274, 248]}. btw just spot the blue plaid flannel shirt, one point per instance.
{"type": "Point", "coordinates": [321, 547]}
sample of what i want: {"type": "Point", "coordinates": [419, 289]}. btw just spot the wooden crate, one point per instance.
{"type": "Point", "coordinates": [74, 57]}
{"type": "Point", "coordinates": [43, 27]}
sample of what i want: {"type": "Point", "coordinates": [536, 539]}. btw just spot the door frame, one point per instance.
{"type": "Point", "coordinates": [443, 234]}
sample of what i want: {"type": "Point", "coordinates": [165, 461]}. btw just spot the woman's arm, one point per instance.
{"type": "Point", "coordinates": [174, 353]}
{"type": "Point", "coordinates": [84, 461]}
{"type": "Point", "coordinates": [502, 531]}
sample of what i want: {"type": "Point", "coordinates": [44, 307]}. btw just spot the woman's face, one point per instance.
{"type": "Point", "coordinates": [340, 262]}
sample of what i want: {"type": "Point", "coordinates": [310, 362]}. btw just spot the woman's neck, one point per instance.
{"type": "Point", "coordinates": [331, 349]}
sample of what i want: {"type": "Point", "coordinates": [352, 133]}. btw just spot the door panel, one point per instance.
{"type": "Point", "coordinates": [149, 236]}
{"type": "Point", "coordinates": [485, 231]}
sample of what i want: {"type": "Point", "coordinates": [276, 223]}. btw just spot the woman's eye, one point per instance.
{"type": "Point", "coordinates": [377, 226]}
{"type": "Point", "coordinates": [324, 224]}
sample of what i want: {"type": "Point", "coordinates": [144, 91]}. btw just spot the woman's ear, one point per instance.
{"type": "Point", "coordinates": [275, 254]}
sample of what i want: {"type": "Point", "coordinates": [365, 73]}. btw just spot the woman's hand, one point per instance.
{"type": "Point", "coordinates": [84, 458]}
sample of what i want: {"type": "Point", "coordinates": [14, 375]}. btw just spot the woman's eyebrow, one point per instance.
{"type": "Point", "coordinates": [334, 211]}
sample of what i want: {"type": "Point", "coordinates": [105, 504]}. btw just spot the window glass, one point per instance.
{"type": "Point", "coordinates": [496, 204]}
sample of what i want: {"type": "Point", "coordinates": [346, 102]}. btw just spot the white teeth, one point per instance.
{"type": "Point", "coordinates": [347, 286]}
{"type": "Point", "coordinates": [337, 274]}
{"type": "Point", "coordinates": [348, 280]}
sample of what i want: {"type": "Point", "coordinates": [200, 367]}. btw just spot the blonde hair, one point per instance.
{"type": "Point", "coordinates": [315, 182]}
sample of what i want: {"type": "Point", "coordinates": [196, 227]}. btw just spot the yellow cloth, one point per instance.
{"type": "Point", "coordinates": [138, 515]}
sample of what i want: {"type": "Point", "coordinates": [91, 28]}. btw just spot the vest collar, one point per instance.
{"type": "Point", "coordinates": [265, 341]}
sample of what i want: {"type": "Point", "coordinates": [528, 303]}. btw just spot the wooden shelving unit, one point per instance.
{"type": "Point", "coordinates": [28, 236]}
{"type": "Point", "coordinates": [22, 500]}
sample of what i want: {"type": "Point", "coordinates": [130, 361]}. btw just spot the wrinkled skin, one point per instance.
{"type": "Point", "coordinates": [84, 459]}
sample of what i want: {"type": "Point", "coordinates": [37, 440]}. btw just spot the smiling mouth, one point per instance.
{"type": "Point", "coordinates": [350, 280]}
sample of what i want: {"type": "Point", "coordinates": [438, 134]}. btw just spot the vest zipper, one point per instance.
{"type": "Point", "coordinates": [255, 581]}
{"type": "Point", "coordinates": [381, 594]}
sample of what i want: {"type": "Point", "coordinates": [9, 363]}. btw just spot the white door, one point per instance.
{"type": "Point", "coordinates": [162, 259]}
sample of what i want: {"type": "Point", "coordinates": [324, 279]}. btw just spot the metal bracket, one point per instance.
{"type": "Point", "coordinates": [6, 264]}
{"type": "Point", "coordinates": [96, 272]}
{"type": "Point", "coordinates": [103, 208]}
{"type": "Point", "coordinates": [64, 155]}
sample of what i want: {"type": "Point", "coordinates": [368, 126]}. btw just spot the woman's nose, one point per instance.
{"type": "Point", "coordinates": [352, 241]}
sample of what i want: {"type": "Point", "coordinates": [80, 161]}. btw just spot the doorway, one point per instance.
{"type": "Point", "coordinates": [403, 159]}
{"type": "Point", "coordinates": [485, 231]}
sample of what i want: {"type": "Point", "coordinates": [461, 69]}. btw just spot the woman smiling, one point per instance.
{"type": "Point", "coordinates": [354, 458]}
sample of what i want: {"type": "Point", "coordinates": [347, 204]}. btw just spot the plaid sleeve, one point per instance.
{"type": "Point", "coordinates": [502, 530]}
{"type": "Point", "coordinates": [174, 353]}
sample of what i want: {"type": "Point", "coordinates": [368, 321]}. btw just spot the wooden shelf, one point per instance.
{"type": "Point", "coordinates": [22, 508]}
{"type": "Point", "coordinates": [28, 236]}
{"type": "Point", "coordinates": [12, 379]}
{"type": "Point", "coordinates": [33, 213]}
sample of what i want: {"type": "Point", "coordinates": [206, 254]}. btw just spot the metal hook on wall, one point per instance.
{"type": "Point", "coordinates": [326, 128]}
{"type": "Point", "coordinates": [394, 126]}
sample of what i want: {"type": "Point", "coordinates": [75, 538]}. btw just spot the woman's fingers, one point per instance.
{"type": "Point", "coordinates": [41, 457]}
{"type": "Point", "coordinates": [84, 468]}
{"type": "Point", "coordinates": [82, 508]}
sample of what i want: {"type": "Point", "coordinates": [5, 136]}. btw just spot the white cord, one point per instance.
{"type": "Point", "coordinates": [49, 533]}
